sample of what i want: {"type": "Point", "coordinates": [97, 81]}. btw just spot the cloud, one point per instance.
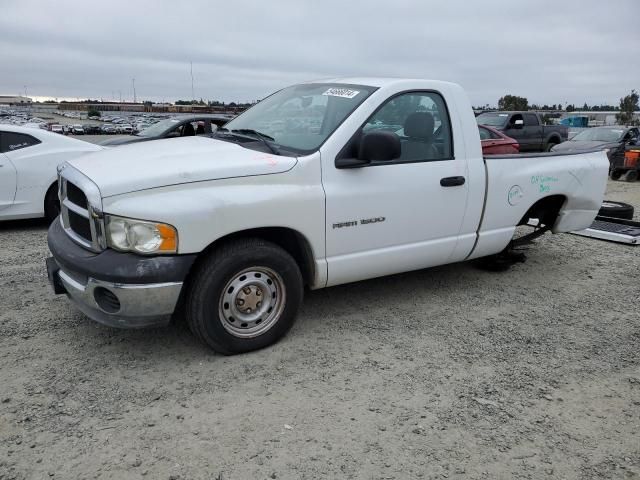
{"type": "Point", "coordinates": [548, 51]}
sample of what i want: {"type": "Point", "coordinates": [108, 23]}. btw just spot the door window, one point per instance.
{"type": "Point", "coordinates": [486, 134]}
{"type": "Point", "coordinates": [11, 141]}
{"type": "Point", "coordinates": [421, 121]}
{"type": "Point", "coordinates": [530, 120]}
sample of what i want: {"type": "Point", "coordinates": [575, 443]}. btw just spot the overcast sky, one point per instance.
{"type": "Point", "coordinates": [546, 50]}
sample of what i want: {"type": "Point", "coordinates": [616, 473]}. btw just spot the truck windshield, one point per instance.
{"type": "Point", "coordinates": [493, 119]}
{"type": "Point", "coordinates": [300, 118]}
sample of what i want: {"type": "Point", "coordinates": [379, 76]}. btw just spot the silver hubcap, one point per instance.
{"type": "Point", "coordinates": [252, 302]}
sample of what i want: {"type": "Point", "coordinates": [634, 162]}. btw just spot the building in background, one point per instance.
{"type": "Point", "coordinates": [13, 100]}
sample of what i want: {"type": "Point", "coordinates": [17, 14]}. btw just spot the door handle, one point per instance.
{"type": "Point", "coordinates": [452, 181]}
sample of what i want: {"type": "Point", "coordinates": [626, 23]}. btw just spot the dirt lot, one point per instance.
{"type": "Point", "coordinates": [452, 372]}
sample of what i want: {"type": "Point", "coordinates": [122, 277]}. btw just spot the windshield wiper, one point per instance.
{"type": "Point", "coordinates": [263, 137]}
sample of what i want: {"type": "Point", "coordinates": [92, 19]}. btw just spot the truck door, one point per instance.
{"type": "Point", "coordinates": [533, 132]}
{"type": "Point", "coordinates": [403, 214]}
{"type": "Point", "coordinates": [8, 178]}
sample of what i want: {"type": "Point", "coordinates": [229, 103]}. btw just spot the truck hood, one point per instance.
{"type": "Point", "coordinates": [145, 165]}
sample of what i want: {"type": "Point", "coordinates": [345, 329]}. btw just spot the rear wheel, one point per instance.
{"type": "Point", "coordinates": [51, 203]}
{"type": "Point", "coordinates": [244, 296]}
{"type": "Point", "coordinates": [616, 174]}
{"type": "Point", "coordinates": [550, 145]}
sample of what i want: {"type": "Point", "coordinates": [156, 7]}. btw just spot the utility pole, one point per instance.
{"type": "Point", "coordinates": [193, 97]}
{"type": "Point", "coordinates": [133, 82]}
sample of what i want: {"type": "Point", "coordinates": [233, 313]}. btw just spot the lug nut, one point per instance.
{"type": "Point", "coordinates": [258, 292]}
{"type": "Point", "coordinates": [246, 290]}
{"type": "Point", "coordinates": [240, 301]}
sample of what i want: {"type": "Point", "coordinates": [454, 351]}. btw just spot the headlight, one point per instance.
{"type": "Point", "coordinates": [140, 236]}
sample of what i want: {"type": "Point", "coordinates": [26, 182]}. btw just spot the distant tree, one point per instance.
{"type": "Point", "coordinates": [513, 102]}
{"type": "Point", "coordinates": [93, 113]}
{"type": "Point", "coordinates": [628, 105]}
{"type": "Point", "coordinates": [570, 108]}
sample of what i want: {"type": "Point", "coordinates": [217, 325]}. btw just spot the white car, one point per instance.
{"type": "Point", "coordinates": [28, 161]}
{"type": "Point", "coordinates": [228, 228]}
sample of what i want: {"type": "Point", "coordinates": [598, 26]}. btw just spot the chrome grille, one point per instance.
{"type": "Point", "coordinates": [81, 209]}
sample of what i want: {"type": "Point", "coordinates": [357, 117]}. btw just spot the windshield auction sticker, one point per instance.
{"type": "Point", "coordinates": [341, 92]}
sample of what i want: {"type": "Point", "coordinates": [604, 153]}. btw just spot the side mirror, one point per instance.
{"type": "Point", "coordinates": [377, 146]}
{"type": "Point", "coordinates": [518, 124]}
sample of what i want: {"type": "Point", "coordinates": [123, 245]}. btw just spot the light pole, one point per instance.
{"type": "Point", "coordinates": [193, 97]}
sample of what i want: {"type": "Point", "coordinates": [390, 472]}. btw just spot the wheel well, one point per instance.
{"type": "Point", "coordinates": [546, 210]}
{"type": "Point", "coordinates": [53, 186]}
{"type": "Point", "coordinates": [554, 139]}
{"type": "Point", "coordinates": [288, 239]}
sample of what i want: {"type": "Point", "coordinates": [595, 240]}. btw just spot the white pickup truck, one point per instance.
{"type": "Point", "coordinates": [319, 184]}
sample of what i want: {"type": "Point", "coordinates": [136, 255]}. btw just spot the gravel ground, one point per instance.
{"type": "Point", "coordinates": [452, 372]}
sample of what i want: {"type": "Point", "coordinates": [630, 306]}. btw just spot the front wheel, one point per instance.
{"type": "Point", "coordinates": [244, 296]}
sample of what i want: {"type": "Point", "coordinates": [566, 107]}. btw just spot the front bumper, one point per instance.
{"type": "Point", "coordinates": [116, 289]}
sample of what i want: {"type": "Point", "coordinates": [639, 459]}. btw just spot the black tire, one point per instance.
{"type": "Point", "coordinates": [631, 176]}
{"type": "Point", "coordinates": [616, 174]}
{"type": "Point", "coordinates": [51, 203]}
{"type": "Point", "coordinates": [209, 314]}
{"type": "Point", "coordinates": [616, 210]}
{"type": "Point", "coordinates": [550, 145]}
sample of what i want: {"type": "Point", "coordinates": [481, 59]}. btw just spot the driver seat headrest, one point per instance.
{"type": "Point", "coordinates": [419, 125]}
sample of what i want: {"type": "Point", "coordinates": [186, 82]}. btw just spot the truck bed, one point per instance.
{"type": "Point", "coordinates": [517, 182]}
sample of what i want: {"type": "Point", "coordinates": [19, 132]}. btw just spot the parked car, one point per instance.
{"type": "Point", "coordinates": [612, 139]}
{"type": "Point", "coordinates": [526, 128]}
{"type": "Point", "coordinates": [172, 128]}
{"type": "Point", "coordinates": [108, 129]}
{"type": "Point", "coordinates": [28, 161]}
{"type": "Point", "coordinates": [124, 128]}
{"type": "Point", "coordinates": [495, 142]}
{"type": "Point", "coordinates": [77, 129]}
{"type": "Point", "coordinates": [91, 129]}
{"type": "Point", "coordinates": [57, 129]}
{"type": "Point", "coordinates": [236, 223]}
